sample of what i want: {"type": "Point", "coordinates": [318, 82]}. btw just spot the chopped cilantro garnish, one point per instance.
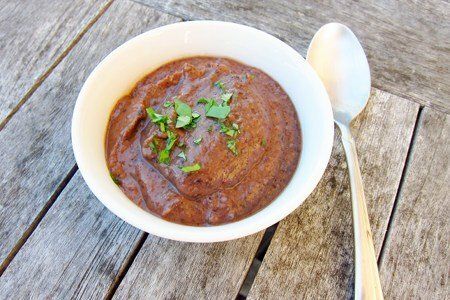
{"type": "Point", "coordinates": [155, 117]}
{"type": "Point", "coordinates": [162, 127]}
{"type": "Point", "coordinates": [264, 142]}
{"type": "Point", "coordinates": [194, 121]}
{"type": "Point", "coordinates": [182, 155]}
{"type": "Point", "coordinates": [186, 118]}
{"type": "Point", "coordinates": [159, 119]}
{"type": "Point", "coordinates": [209, 102]}
{"type": "Point", "coordinates": [184, 113]}
{"type": "Point", "coordinates": [114, 178]}
{"type": "Point", "coordinates": [192, 168]}
{"type": "Point", "coordinates": [220, 85]}
{"type": "Point", "coordinates": [218, 112]}
{"type": "Point", "coordinates": [164, 157]}
{"type": "Point", "coordinates": [223, 128]}
{"type": "Point", "coordinates": [225, 98]}
{"type": "Point", "coordinates": [231, 144]}
{"type": "Point", "coordinates": [181, 144]}
{"type": "Point", "coordinates": [203, 100]}
{"type": "Point", "coordinates": [167, 104]}
{"type": "Point", "coordinates": [182, 108]}
{"type": "Point", "coordinates": [232, 130]}
{"type": "Point", "coordinates": [153, 146]}
{"type": "Point", "coordinates": [171, 138]}
{"type": "Point", "coordinates": [183, 121]}
{"type": "Point", "coordinates": [198, 141]}
{"type": "Point", "coordinates": [210, 128]}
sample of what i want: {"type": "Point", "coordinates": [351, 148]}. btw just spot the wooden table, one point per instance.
{"type": "Point", "coordinates": [58, 241]}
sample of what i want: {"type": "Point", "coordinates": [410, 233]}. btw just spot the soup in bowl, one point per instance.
{"type": "Point", "coordinates": [202, 131]}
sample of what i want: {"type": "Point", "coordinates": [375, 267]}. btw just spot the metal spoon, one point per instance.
{"type": "Point", "coordinates": [339, 60]}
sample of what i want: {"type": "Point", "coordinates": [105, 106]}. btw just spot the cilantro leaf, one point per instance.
{"type": "Point", "coordinates": [225, 98]}
{"type": "Point", "coordinates": [171, 138]}
{"type": "Point", "coordinates": [162, 127]}
{"type": "Point", "coordinates": [182, 108]}
{"type": "Point", "coordinates": [182, 121]}
{"type": "Point", "coordinates": [209, 102]}
{"type": "Point", "coordinates": [159, 119]}
{"type": "Point", "coordinates": [232, 131]}
{"type": "Point", "coordinates": [155, 117]}
{"type": "Point", "coordinates": [231, 144]}
{"type": "Point", "coordinates": [198, 141]}
{"type": "Point", "coordinates": [182, 155]}
{"type": "Point", "coordinates": [220, 85]}
{"type": "Point", "coordinates": [264, 142]}
{"type": "Point", "coordinates": [114, 178]}
{"type": "Point", "coordinates": [164, 156]}
{"type": "Point", "coordinates": [153, 146]}
{"type": "Point", "coordinates": [168, 104]}
{"type": "Point", "coordinates": [184, 113]}
{"type": "Point", "coordinates": [203, 100]}
{"type": "Point", "coordinates": [218, 112]}
{"type": "Point", "coordinates": [192, 168]}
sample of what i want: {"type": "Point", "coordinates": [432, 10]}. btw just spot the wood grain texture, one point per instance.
{"type": "Point", "coordinates": [311, 254]}
{"type": "Point", "coordinates": [76, 252]}
{"type": "Point", "coordinates": [38, 152]}
{"type": "Point", "coordinates": [167, 269]}
{"type": "Point", "coordinates": [416, 260]}
{"type": "Point", "coordinates": [33, 36]}
{"type": "Point", "coordinates": [407, 42]}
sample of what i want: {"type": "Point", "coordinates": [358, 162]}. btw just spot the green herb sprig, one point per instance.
{"type": "Point", "coordinates": [164, 155]}
{"type": "Point", "coordinates": [193, 168]}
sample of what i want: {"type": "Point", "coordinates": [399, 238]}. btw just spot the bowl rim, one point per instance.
{"type": "Point", "coordinates": [180, 232]}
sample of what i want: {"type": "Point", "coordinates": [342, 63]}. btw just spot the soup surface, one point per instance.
{"type": "Point", "coordinates": [203, 141]}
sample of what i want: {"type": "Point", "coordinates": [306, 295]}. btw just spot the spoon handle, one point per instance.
{"type": "Point", "coordinates": [367, 280]}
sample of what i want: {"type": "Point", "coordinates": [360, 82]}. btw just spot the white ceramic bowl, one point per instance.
{"type": "Point", "coordinates": [121, 69]}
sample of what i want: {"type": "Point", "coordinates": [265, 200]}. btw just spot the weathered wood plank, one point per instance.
{"type": "Point", "coordinates": [311, 254]}
{"type": "Point", "coordinates": [407, 43]}
{"type": "Point", "coordinates": [167, 269]}
{"type": "Point", "coordinates": [33, 36]}
{"type": "Point", "coordinates": [76, 252]}
{"type": "Point", "coordinates": [416, 260]}
{"type": "Point", "coordinates": [38, 153]}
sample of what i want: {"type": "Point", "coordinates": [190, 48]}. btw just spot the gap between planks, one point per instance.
{"type": "Point", "coordinates": [47, 72]}
{"type": "Point", "coordinates": [257, 261]}
{"type": "Point", "coordinates": [125, 267]}
{"type": "Point", "coordinates": [400, 186]}
{"type": "Point", "coordinates": [37, 219]}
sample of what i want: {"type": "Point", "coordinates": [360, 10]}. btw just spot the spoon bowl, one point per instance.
{"type": "Point", "coordinates": [339, 59]}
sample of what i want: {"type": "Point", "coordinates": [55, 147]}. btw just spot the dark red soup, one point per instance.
{"type": "Point", "coordinates": [203, 141]}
